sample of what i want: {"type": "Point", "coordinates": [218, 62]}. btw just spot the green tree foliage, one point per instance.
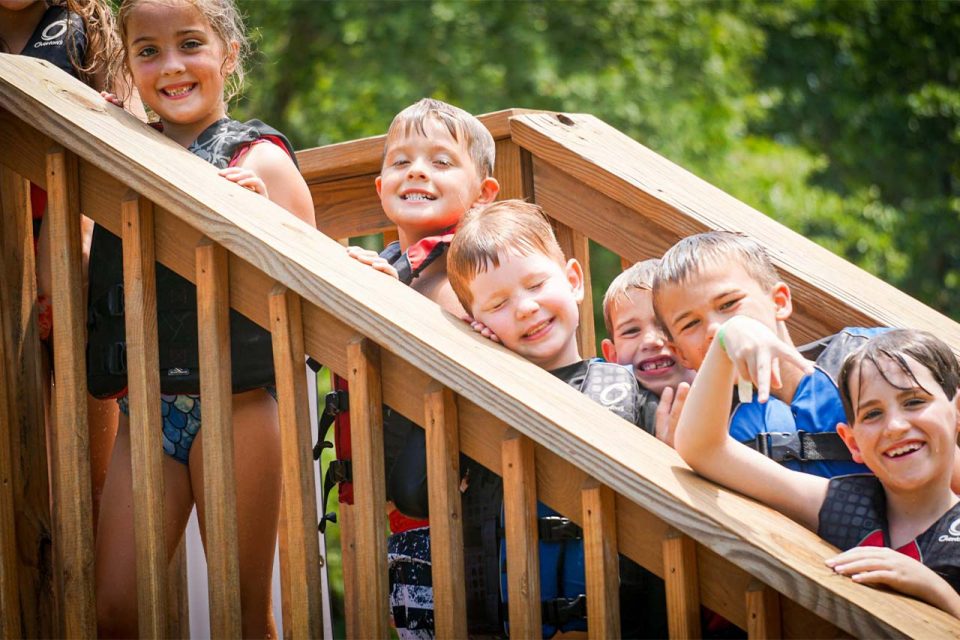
{"type": "Point", "coordinates": [838, 118]}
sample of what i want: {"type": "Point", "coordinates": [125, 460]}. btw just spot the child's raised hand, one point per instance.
{"type": "Point", "coordinates": [372, 259]}
{"type": "Point", "coordinates": [757, 352]}
{"type": "Point", "coordinates": [885, 566]}
{"type": "Point", "coordinates": [668, 411]}
{"type": "Point", "coordinates": [246, 179]}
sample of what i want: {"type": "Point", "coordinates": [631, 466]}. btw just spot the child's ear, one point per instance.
{"type": "Point", "coordinates": [846, 434]}
{"type": "Point", "coordinates": [233, 55]}
{"type": "Point", "coordinates": [783, 300]}
{"type": "Point", "coordinates": [489, 189]}
{"type": "Point", "coordinates": [575, 277]}
{"type": "Point", "coordinates": [609, 350]}
{"type": "Point", "coordinates": [379, 183]}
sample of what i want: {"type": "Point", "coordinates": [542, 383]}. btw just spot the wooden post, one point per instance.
{"type": "Point", "coordinates": [73, 521]}
{"type": "Point", "coordinates": [369, 487]}
{"type": "Point", "coordinates": [446, 517]}
{"type": "Point", "coordinates": [304, 618]}
{"type": "Point", "coordinates": [577, 245]}
{"type": "Point", "coordinates": [23, 385]}
{"type": "Point", "coordinates": [178, 599]}
{"type": "Point", "coordinates": [682, 585]}
{"type": "Point", "coordinates": [601, 560]}
{"type": "Point", "coordinates": [520, 519]}
{"type": "Point", "coordinates": [347, 521]}
{"type": "Point", "coordinates": [219, 484]}
{"type": "Point", "coordinates": [763, 611]}
{"type": "Point", "coordinates": [140, 303]}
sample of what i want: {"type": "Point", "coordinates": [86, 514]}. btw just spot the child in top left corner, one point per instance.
{"type": "Point", "coordinates": [77, 37]}
{"type": "Point", "coordinates": [184, 58]}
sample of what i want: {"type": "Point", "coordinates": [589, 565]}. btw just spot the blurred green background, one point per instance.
{"type": "Point", "coordinates": [839, 118]}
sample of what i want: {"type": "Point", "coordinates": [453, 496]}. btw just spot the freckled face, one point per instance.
{"type": "Point", "coordinates": [530, 302]}
{"type": "Point", "coordinates": [178, 63]}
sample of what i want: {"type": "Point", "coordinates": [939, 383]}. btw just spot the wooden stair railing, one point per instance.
{"type": "Point", "coordinates": [638, 497]}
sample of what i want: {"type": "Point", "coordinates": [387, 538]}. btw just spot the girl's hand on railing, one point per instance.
{"type": "Point", "coordinates": [757, 353]}
{"type": "Point", "coordinates": [246, 179]}
{"type": "Point", "coordinates": [481, 328]}
{"type": "Point", "coordinates": [668, 411]}
{"type": "Point", "coordinates": [112, 98]}
{"type": "Point", "coordinates": [372, 259]}
{"type": "Point", "coordinates": [876, 566]}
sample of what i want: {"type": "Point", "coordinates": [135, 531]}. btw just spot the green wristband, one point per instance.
{"type": "Point", "coordinates": [719, 337]}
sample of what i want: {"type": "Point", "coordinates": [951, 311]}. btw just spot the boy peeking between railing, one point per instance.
{"type": "Point", "coordinates": [509, 273]}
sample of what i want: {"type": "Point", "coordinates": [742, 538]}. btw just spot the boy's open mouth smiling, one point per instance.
{"type": "Point", "coordinates": [415, 196]}
{"type": "Point", "coordinates": [657, 365]}
{"type": "Point", "coordinates": [902, 450]}
{"type": "Point", "coordinates": [538, 330]}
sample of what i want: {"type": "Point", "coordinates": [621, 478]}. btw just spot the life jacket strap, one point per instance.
{"type": "Point", "coordinates": [561, 611]}
{"type": "Point", "coordinates": [802, 446]}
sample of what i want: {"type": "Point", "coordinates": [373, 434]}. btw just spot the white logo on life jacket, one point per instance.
{"type": "Point", "coordinates": [954, 529]}
{"type": "Point", "coordinates": [54, 30]}
{"type": "Point", "coordinates": [614, 394]}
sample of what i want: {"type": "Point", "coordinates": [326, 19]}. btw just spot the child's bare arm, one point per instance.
{"type": "Point", "coordinates": [884, 566]}
{"type": "Point", "coordinates": [280, 179]}
{"type": "Point", "coordinates": [702, 439]}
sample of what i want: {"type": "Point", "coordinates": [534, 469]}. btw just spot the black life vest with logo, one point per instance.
{"type": "Point", "coordinates": [251, 350]}
{"type": "Point", "coordinates": [60, 38]}
{"type": "Point", "coordinates": [854, 514]}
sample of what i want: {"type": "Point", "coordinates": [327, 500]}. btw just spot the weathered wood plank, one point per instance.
{"type": "Point", "coordinates": [520, 523]}
{"type": "Point", "coordinates": [602, 560]}
{"type": "Point", "coordinates": [366, 433]}
{"type": "Point", "coordinates": [347, 521]}
{"type": "Point", "coordinates": [446, 516]}
{"type": "Point", "coordinates": [576, 245]}
{"type": "Point", "coordinates": [70, 464]}
{"type": "Point", "coordinates": [219, 483]}
{"type": "Point", "coordinates": [824, 285]}
{"type": "Point", "coordinates": [300, 507]}
{"type": "Point", "coordinates": [143, 362]}
{"type": "Point", "coordinates": [349, 207]}
{"type": "Point", "coordinates": [682, 585]}
{"type": "Point", "coordinates": [513, 171]}
{"type": "Point", "coordinates": [763, 612]}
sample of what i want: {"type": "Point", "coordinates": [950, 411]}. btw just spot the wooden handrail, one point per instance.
{"type": "Point", "coordinates": [420, 347]}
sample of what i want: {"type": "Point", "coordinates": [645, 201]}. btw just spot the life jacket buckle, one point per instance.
{"type": "Point", "coordinates": [561, 611]}
{"type": "Point", "coordinates": [781, 445]}
{"type": "Point", "coordinates": [115, 300]}
{"type": "Point", "coordinates": [117, 359]}
{"type": "Point", "coordinates": [557, 529]}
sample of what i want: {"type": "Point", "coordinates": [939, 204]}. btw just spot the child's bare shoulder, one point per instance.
{"type": "Point", "coordinates": [437, 287]}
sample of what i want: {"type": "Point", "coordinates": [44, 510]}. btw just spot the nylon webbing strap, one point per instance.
{"type": "Point", "coordinates": [782, 446]}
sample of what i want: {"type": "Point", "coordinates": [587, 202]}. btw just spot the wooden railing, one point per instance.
{"type": "Point", "coordinates": [631, 493]}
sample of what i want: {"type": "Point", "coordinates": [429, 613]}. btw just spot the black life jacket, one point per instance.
{"type": "Point", "coordinates": [251, 350]}
{"type": "Point", "coordinates": [400, 434]}
{"type": "Point", "coordinates": [60, 38]}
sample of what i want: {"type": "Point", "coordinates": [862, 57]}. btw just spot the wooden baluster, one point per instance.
{"type": "Point", "coordinates": [446, 517]}
{"type": "Point", "coordinates": [577, 245]}
{"type": "Point", "coordinates": [24, 431]}
{"type": "Point", "coordinates": [520, 520]}
{"type": "Point", "coordinates": [9, 586]}
{"type": "Point", "coordinates": [178, 598]}
{"type": "Point", "coordinates": [347, 521]}
{"type": "Point", "coordinates": [601, 560]}
{"type": "Point", "coordinates": [682, 585]}
{"type": "Point", "coordinates": [146, 451]}
{"type": "Point", "coordinates": [369, 488]}
{"type": "Point", "coordinates": [219, 484]}
{"type": "Point", "coordinates": [69, 446]}
{"type": "Point", "coordinates": [763, 611]}
{"type": "Point", "coordinates": [304, 618]}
